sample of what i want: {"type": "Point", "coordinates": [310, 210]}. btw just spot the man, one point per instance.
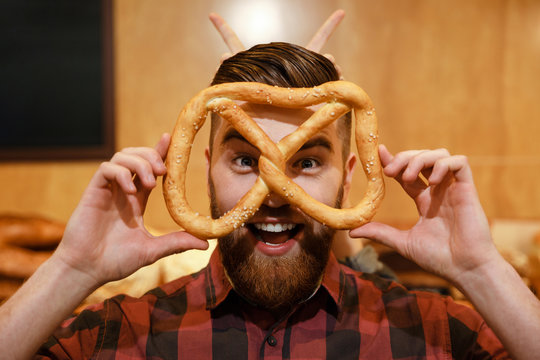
{"type": "Point", "coordinates": [273, 289]}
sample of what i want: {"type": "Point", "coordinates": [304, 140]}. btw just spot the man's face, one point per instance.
{"type": "Point", "coordinates": [278, 257]}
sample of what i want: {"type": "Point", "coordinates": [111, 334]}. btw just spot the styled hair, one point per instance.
{"type": "Point", "coordinates": [285, 65]}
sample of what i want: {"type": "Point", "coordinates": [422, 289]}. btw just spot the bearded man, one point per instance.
{"type": "Point", "coordinates": [273, 288]}
{"type": "Point", "coordinates": [278, 267]}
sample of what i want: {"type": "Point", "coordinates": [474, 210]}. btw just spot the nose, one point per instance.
{"type": "Point", "coordinates": [274, 200]}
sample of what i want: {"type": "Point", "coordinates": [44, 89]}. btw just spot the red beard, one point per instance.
{"type": "Point", "coordinates": [275, 283]}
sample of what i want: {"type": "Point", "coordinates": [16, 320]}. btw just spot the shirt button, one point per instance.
{"type": "Point", "coordinates": [271, 341]}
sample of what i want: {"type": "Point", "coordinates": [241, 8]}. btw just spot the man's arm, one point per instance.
{"type": "Point", "coordinates": [104, 240]}
{"type": "Point", "coordinates": [452, 239]}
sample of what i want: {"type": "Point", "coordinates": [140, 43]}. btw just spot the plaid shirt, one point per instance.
{"type": "Point", "coordinates": [352, 316]}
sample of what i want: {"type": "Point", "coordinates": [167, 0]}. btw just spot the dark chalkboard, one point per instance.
{"type": "Point", "coordinates": [55, 79]}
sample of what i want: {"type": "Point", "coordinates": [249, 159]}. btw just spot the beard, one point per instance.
{"type": "Point", "coordinates": [275, 283]}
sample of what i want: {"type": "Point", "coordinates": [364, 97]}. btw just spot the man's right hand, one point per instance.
{"type": "Point", "coordinates": [105, 237]}
{"type": "Point", "coordinates": [104, 240]}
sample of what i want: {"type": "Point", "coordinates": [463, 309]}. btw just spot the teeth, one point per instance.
{"type": "Point", "coordinates": [274, 227]}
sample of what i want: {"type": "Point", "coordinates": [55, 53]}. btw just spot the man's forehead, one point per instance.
{"type": "Point", "coordinates": [287, 115]}
{"type": "Point", "coordinates": [276, 122]}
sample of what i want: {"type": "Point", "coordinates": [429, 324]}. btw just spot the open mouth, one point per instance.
{"type": "Point", "coordinates": [275, 234]}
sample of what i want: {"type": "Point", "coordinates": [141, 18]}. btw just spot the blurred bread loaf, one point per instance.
{"type": "Point", "coordinates": [25, 243]}
{"type": "Point", "coordinates": [30, 231]}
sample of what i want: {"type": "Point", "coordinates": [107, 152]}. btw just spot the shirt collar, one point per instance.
{"type": "Point", "coordinates": [218, 286]}
{"type": "Point", "coordinates": [334, 280]}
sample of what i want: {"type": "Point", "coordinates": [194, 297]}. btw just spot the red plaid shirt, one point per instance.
{"type": "Point", "coordinates": [351, 316]}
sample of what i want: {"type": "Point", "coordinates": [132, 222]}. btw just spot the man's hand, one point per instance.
{"type": "Point", "coordinates": [326, 30]}
{"type": "Point", "coordinates": [316, 43]}
{"type": "Point", "coordinates": [228, 35]}
{"type": "Point", "coordinates": [105, 237]}
{"type": "Point", "coordinates": [451, 237]}
{"type": "Point", "coordinates": [104, 240]}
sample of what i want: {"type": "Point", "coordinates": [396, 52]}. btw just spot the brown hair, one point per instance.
{"type": "Point", "coordinates": [285, 65]}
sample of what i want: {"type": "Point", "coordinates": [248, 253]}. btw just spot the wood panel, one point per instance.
{"type": "Point", "coordinates": [462, 75]}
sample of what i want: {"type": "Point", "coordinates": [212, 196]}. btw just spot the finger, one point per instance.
{"type": "Point", "coordinates": [152, 156]}
{"type": "Point", "coordinates": [399, 162]}
{"type": "Point", "coordinates": [385, 155]}
{"type": "Point", "coordinates": [162, 147]}
{"type": "Point", "coordinates": [424, 160]}
{"type": "Point", "coordinates": [381, 233]}
{"type": "Point", "coordinates": [229, 36]}
{"type": "Point", "coordinates": [458, 165]}
{"type": "Point", "coordinates": [149, 163]}
{"type": "Point", "coordinates": [339, 71]}
{"type": "Point", "coordinates": [394, 166]}
{"type": "Point", "coordinates": [145, 163]}
{"type": "Point", "coordinates": [325, 31]}
{"type": "Point", "coordinates": [224, 57]}
{"type": "Point", "coordinates": [174, 243]}
{"type": "Point", "coordinates": [109, 173]}
{"type": "Point", "coordinates": [331, 58]}
{"type": "Point", "coordinates": [336, 66]}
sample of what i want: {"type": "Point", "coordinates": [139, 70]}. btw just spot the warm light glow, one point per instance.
{"type": "Point", "coordinates": [256, 21]}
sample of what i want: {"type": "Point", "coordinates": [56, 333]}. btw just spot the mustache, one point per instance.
{"type": "Point", "coordinates": [283, 211]}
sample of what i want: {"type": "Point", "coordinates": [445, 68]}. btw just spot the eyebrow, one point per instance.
{"type": "Point", "coordinates": [319, 140]}
{"type": "Point", "coordinates": [231, 134]}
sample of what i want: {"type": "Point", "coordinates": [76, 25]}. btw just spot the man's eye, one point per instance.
{"type": "Point", "coordinates": [245, 161]}
{"type": "Point", "coordinates": [308, 163]}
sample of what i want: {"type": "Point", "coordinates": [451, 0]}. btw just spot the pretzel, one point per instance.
{"type": "Point", "coordinates": [339, 98]}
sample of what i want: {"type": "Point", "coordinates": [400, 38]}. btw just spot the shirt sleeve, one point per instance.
{"type": "Point", "coordinates": [77, 337]}
{"type": "Point", "coordinates": [470, 336]}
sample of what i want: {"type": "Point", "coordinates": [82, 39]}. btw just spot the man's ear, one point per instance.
{"type": "Point", "coordinates": [350, 165]}
{"type": "Point", "coordinates": [208, 158]}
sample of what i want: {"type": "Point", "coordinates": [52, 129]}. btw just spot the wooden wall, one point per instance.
{"type": "Point", "coordinates": [464, 75]}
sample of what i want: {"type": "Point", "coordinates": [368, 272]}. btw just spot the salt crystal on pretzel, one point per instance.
{"type": "Point", "coordinates": [339, 98]}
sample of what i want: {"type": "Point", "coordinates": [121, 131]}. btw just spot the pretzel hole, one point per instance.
{"type": "Point", "coordinates": [196, 184]}
{"type": "Point", "coordinates": [359, 180]}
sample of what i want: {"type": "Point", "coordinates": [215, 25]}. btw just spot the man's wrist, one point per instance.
{"type": "Point", "coordinates": [62, 270]}
{"type": "Point", "coordinates": [63, 287]}
{"type": "Point", "coordinates": [483, 280]}
{"type": "Point", "coordinates": [507, 305]}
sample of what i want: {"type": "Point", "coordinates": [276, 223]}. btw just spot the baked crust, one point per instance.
{"type": "Point", "coordinates": [339, 97]}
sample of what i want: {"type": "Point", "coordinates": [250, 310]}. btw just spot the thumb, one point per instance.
{"type": "Point", "coordinates": [174, 243]}
{"type": "Point", "coordinates": [381, 233]}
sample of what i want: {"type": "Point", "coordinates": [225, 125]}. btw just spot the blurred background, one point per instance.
{"type": "Point", "coordinates": [464, 75]}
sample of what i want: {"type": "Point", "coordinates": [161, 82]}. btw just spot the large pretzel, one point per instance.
{"type": "Point", "coordinates": [339, 96]}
